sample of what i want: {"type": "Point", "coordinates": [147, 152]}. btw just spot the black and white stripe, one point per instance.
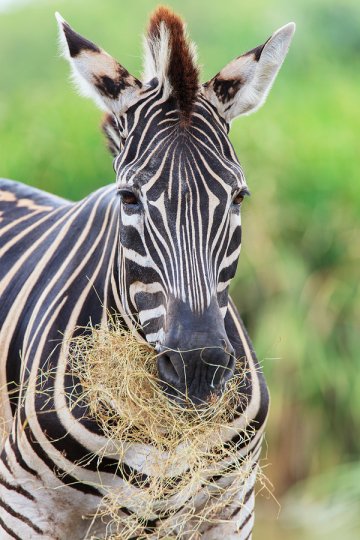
{"type": "Point", "coordinates": [185, 191]}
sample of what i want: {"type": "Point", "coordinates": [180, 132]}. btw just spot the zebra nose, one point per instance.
{"type": "Point", "coordinates": [196, 372]}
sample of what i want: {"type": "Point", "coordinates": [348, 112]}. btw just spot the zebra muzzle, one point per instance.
{"type": "Point", "coordinates": [195, 374]}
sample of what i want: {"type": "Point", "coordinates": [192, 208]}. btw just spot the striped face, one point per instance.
{"type": "Point", "coordinates": [180, 192]}
{"type": "Point", "coordinates": [180, 187]}
{"type": "Point", "coordinates": [180, 197]}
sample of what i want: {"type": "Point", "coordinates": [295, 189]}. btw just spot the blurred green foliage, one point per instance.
{"type": "Point", "coordinates": [297, 284]}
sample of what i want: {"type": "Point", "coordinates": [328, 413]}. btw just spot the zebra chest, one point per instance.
{"type": "Point", "coordinates": [44, 504]}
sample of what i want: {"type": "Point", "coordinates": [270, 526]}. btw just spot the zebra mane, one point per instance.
{"type": "Point", "coordinates": [171, 58]}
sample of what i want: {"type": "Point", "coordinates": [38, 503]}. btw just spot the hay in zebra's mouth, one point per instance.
{"type": "Point", "coordinates": [176, 447]}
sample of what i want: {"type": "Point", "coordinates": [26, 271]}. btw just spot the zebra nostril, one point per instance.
{"type": "Point", "coordinates": [229, 369]}
{"type": "Point", "coordinates": [221, 363]}
{"type": "Point", "coordinates": [171, 365]}
{"type": "Point", "coordinates": [222, 372]}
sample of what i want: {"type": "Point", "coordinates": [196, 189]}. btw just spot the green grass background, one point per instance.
{"type": "Point", "coordinates": [297, 284]}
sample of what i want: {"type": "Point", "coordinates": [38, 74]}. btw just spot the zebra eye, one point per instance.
{"type": "Point", "coordinates": [128, 197]}
{"type": "Point", "coordinates": [239, 197]}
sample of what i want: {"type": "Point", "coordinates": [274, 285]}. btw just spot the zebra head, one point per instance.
{"type": "Point", "coordinates": [181, 187]}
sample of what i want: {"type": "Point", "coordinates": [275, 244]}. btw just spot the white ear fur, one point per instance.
{"type": "Point", "coordinates": [242, 86]}
{"type": "Point", "coordinates": [157, 57]}
{"type": "Point", "coordinates": [95, 73]}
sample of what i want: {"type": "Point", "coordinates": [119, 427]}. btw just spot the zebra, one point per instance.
{"type": "Point", "coordinates": [159, 248]}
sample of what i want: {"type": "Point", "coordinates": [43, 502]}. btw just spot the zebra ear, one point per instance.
{"type": "Point", "coordinates": [96, 74]}
{"type": "Point", "coordinates": [242, 86]}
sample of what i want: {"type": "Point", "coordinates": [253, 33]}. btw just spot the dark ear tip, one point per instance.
{"type": "Point", "coordinates": [75, 41]}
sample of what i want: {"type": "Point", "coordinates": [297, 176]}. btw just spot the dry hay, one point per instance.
{"type": "Point", "coordinates": [118, 383]}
